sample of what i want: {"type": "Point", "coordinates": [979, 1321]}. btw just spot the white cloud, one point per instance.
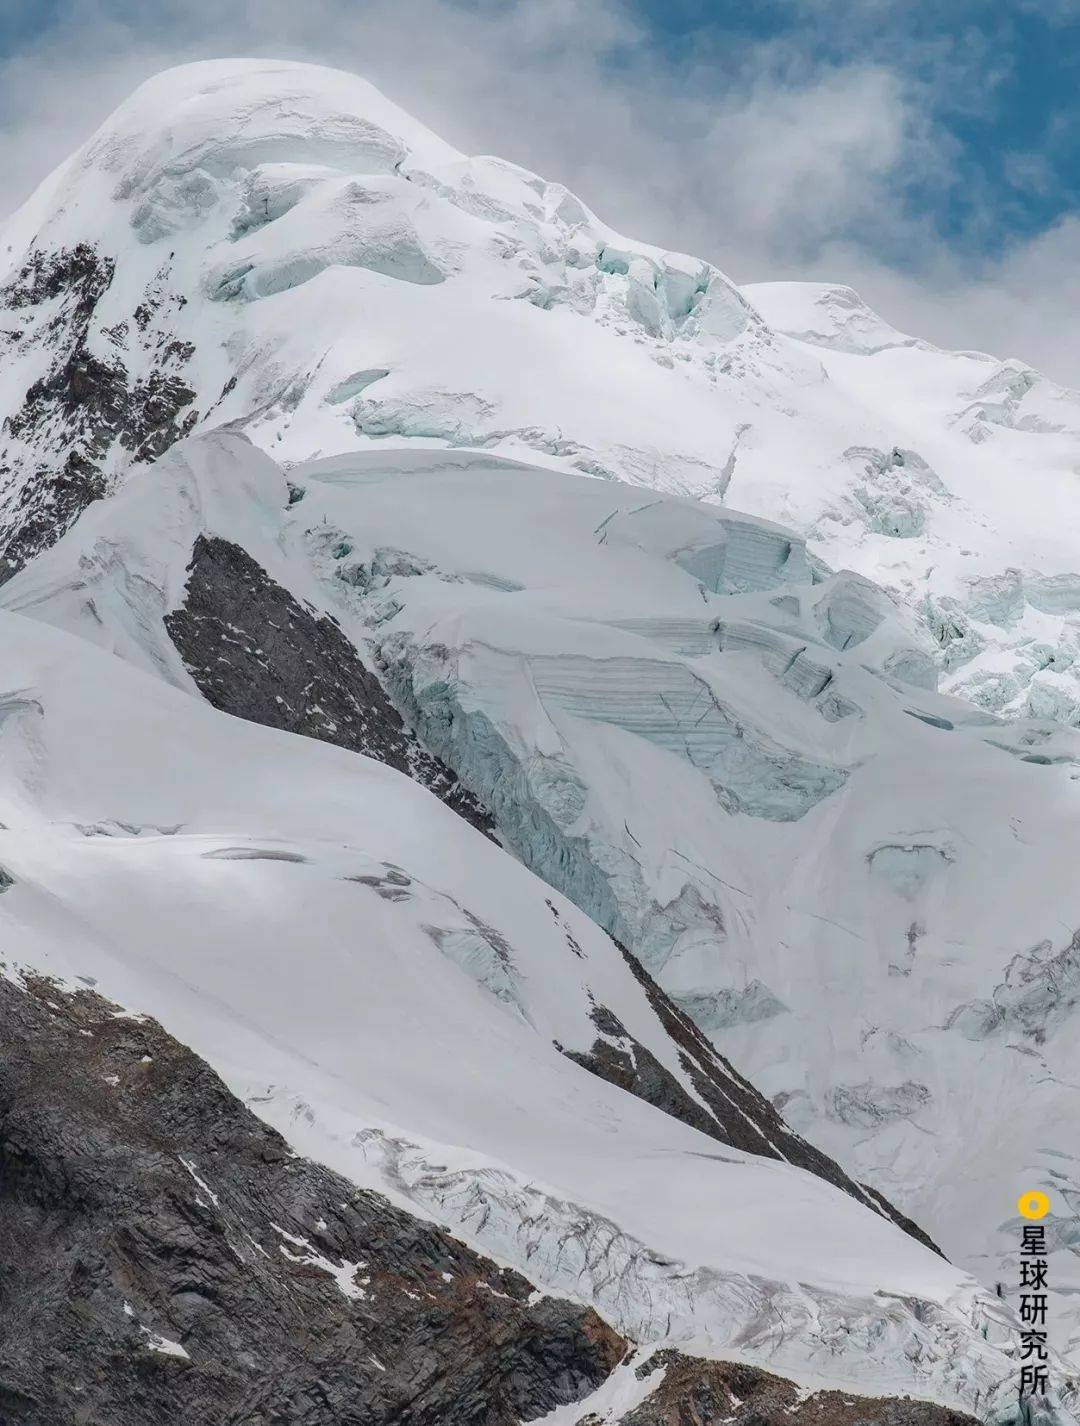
{"type": "Point", "coordinates": [752, 156]}
{"type": "Point", "coordinates": [1018, 305]}
{"type": "Point", "coordinates": [795, 165]}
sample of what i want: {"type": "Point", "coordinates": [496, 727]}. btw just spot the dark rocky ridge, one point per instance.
{"type": "Point", "coordinates": [738, 1114]}
{"type": "Point", "coordinates": [693, 1393]}
{"type": "Point", "coordinates": [130, 1175]}
{"type": "Point", "coordinates": [55, 446]}
{"type": "Point", "coordinates": [256, 652]}
{"type": "Point", "coordinates": [100, 1118]}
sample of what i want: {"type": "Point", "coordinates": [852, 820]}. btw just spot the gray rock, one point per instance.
{"type": "Point", "coordinates": [164, 1258]}
{"type": "Point", "coordinates": [54, 449]}
{"type": "Point", "coordinates": [256, 652]}
{"type": "Point", "coordinates": [740, 1395]}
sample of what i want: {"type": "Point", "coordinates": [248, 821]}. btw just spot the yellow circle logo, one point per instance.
{"type": "Point", "coordinates": [1033, 1204]}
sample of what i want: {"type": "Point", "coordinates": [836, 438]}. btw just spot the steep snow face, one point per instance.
{"type": "Point", "coordinates": [832, 317]}
{"type": "Point", "coordinates": [739, 771]}
{"type": "Point", "coordinates": [279, 248]}
{"type": "Point", "coordinates": [862, 889]}
{"type": "Point", "coordinates": [391, 990]}
{"type": "Point", "coordinates": [956, 491]}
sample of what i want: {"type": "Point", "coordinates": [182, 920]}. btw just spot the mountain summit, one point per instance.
{"type": "Point", "coordinates": [514, 321]}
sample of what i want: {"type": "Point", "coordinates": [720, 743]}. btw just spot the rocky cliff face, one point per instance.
{"type": "Point", "coordinates": [105, 396]}
{"type": "Point", "coordinates": [164, 1256]}
{"type": "Point", "coordinates": [735, 1112]}
{"type": "Point", "coordinates": [256, 652]}
{"type": "Point", "coordinates": [167, 1257]}
{"type": "Point", "coordinates": [686, 1392]}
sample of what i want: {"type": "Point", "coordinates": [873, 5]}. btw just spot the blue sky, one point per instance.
{"type": "Point", "coordinates": [928, 154]}
{"type": "Point", "coordinates": [1002, 81]}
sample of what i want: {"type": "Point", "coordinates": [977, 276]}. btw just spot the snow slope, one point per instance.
{"type": "Point", "coordinates": [863, 890]}
{"type": "Point", "coordinates": [967, 508]}
{"type": "Point", "coordinates": [383, 984]}
{"type": "Point", "coordinates": [279, 247]}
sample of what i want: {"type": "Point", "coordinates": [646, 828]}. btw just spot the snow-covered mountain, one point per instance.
{"type": "Point", "coordinates": [281, 248]}
{"type": "Point", "coordinates": [716, 736]}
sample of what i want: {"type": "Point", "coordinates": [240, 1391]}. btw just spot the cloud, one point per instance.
{"type": "Point", "coordinates": [1013, 306]}
{"type": "Point", "coordinates": [792, 166]}
{"type": "Point", "coordinates": [736, 158]}
{"type": "Point", "coordinates": [821, 153]}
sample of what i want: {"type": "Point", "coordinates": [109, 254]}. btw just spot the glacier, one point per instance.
{"type": "Point", "coordinates": [535, 632]}
{"type": "Point", "coordinates": [309, 921]}
{"type": "Point", "coordinates": [297, 257]}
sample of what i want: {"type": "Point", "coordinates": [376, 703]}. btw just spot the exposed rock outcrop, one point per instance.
{"type": "Point", "coordinates": [737, 1113]}
{"type": "Point", "coordinates": [697, 1392]}
{"type": "Point", "coordinates": [164, 1256]}
{"type": "Point", "coordinates": [257, 653]}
